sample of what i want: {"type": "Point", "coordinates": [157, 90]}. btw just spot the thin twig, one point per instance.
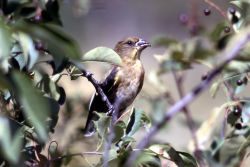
{"type": "Point", "coordinates": [76, 154]}
{"type": "Point", "coordinates": [111, 110]}
{"type": "Point", "coordinates": [216, 7]}
{"type": "Point", "coordinates": [96, 84]}
{"type": "Point", "coordinates": [229, 91]}
{"type": "Point", "coordinates": [189, 118]}
{"type": "Point", "coordinates": [229, 56]}
{"type": "Point", "coordinates": [108, 143]}
{"type": "Point", "coordinates": [221, 12]}
{"type": "Point", "coordinates": [123, 115]}
{"type": "Point", "coordinates": [193, 22]}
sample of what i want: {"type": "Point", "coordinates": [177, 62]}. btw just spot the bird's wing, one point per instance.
{"type": "Point", "coordinates": [109, 86]}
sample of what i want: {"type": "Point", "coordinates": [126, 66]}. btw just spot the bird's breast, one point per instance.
{"type": "Point", "coordinates": [131, 80]}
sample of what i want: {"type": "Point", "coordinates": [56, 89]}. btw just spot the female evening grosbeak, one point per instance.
{"type": "Point", "coordinates": [122, 83]}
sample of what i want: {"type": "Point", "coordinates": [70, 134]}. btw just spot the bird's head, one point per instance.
{"type": "Point", "coordinates": [131, 47]}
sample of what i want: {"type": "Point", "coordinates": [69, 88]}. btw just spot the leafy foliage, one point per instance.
{"type": "Point", "coordinates": [32, 39]}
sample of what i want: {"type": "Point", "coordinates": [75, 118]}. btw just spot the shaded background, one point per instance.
{"type": "Point", "coordinates": [106, 22]}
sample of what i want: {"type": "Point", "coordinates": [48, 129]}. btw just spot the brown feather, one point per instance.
{"type": "Point", "coordinates": [122, 83]}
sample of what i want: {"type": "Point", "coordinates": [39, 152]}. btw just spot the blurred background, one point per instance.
{"type": "Point", "coordinates": [103, 23]}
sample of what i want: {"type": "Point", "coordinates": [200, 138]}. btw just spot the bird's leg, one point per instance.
{"type": "Point", "coordinates": [99, 90]}
{"type": "Point", "coordinates": [115, 110]}
{"type": "Point", "coordinates": [89, 76]}
{"type": "Point", "coordinates": [111, 110]}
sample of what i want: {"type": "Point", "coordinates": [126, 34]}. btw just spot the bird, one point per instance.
{"type": "Point", "coordinates": [122, 83]}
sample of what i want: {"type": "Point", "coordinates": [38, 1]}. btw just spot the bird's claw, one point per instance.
{"type": "Point", "coordinates": [88, 74]}
{"type": "Point", "coordinates": [111, 111]}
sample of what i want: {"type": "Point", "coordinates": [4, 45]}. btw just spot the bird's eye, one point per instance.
{"type": "Point", "coordinates": [129, 42]}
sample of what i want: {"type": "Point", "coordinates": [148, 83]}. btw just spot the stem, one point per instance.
{"type": "Point", "coordinates": [188, 98]}
{"type": "Point", "coordinates": [189, 118]}
{"type": "Point", "coordinates": [108, 144]}
{"type": "Point", "coordinates": [193, 23]}
{"type": "Point", "coordinates": [221, 12]}
{"type": "Point", "coordinates": [76, 154]}
{"type": "Point", "coordinates": [216, 7]}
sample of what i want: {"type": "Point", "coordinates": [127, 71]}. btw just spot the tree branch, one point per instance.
{"type": "Point", "coordinates": [111, 111]}
{"type": "Point", "coordinates": [96, 84]}
{"type": "Point", "coordinates": [190, 122]}
{"type": "Point", "coordinates": [230, 53]}
{"type": "Point", "coordinates": [76, 154]}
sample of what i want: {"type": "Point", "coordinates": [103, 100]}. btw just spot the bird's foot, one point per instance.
{"type": "Point", "coordinates": [110, 111]}
{"type": "Point", "coordinates": [88, 74]}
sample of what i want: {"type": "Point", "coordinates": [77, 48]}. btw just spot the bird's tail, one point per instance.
{"type": "Point", "coordinates": [90, 129]}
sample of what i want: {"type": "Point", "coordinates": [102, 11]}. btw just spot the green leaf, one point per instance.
{"type": "Point", "coordinates": [35, 106]}
{"type": "Point", "coordinates": [243, 146]}
{"type": "Point", "coordinates": [232, 118]}
{"type": "Point", "coordinates": [5, 44]}
{"type": "Point", "coordinates": [18, 61]}
{"type": "Point", "coordinates": [243, 14]}
{"type": "Point", "coordinates": [246, 112]}
{"type": "Point", "coordinates": [189, 160]}
{"type": "Point", "coordinates": [102, 124]}
{"type": "Point", "coordinates": [168, 152]}
{"type": "Point", "coordinates": [216, 33]}
{"type": "Point", "coordinates": [29, 52]}
{"type": "Point", "coordinates": [4, 83]}
{"type": "Point", "coordinates": [228, 151]}
{"type": "Point", "coordinates": [137, 120]}
{"type": "Point", "coordinates": [171, 65]}
{"type": "Point", "coordinates": [148, 158]}
{"type": "Point", "coordinates": [233, 78]}
{"type": "Point", "coordinates": [164, 41]}
{"type": "Point", "coordinates": [214, 88]}
{"type": "Point", "coordinates": [238, 67]}
{"type": "Point", "coordinates": [125, 141]}
{"type": "Point", "coordinates": [54, 108]}
{"type": "Point", "coordinates": [10, 139]}
{"type": "Point", "coordinates": [49, 85]}
{"type": "Point", "coordinates": [119, 131]}
{"type": "Point", "coordinates": [59, 44]}
{"type": "Point", "coordinates": [112, 154]}
{"type": "Point", "coordinates": [75, 73]}
{"type": "Point", "coordinates": [102, 54]}
{"type": "Point", "coordinates": [198, 49]}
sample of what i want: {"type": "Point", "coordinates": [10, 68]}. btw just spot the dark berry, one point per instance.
{"type": "Point", "coordinates": [227, 29]}
{"type": "Point", "coordinates": [238, 126]}
{"type": "Point", "coordinates": [214, 144]}
{"type": "Point", "coordinates": [240, 82]}
{"type": "Point", "coordinates": [237, 110]}
{"type": "Point", "coordinates": [207, 12]}
{"type": "Point", "coordinates": [231, 10]}
{"type": "Point", "coordinates": [183, 18]}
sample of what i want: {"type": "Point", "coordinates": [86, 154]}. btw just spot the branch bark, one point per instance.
{"type": "Point", "coordinates": [190, 121]}
{"type": "Point", "coordinates": [96, 84]}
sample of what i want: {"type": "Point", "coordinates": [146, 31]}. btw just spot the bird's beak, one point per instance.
{"type": "Point", "coordinates": [142, 44]}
